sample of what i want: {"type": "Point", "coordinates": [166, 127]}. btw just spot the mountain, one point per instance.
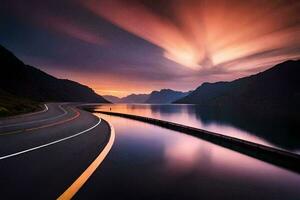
{"type": "Point", "coordinates": [112, 99]}
{"type": "Point", "coordinates": [24, 81]}
{"type": "Point", "coordinates": [276, 90]}
{"type": "Point", "coordinates": [134, 98]}
{"type": "Point", "coordinates": [162, 96]}
{"type": "Point", "coordinates": [165, 96]}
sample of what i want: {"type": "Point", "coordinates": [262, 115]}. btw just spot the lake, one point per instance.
{"type": "Point", "coordinates": [150, 162]}
{"type": "Point", "coordinates": [270, 131]}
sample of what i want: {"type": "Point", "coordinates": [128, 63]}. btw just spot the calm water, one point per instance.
{"type": "Point", "coordinates": [149, 162]}
{"type": "Point", "coordinates": [279, 133]}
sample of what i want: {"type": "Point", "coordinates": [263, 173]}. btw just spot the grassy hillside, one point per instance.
{"type": "Point", "coordinates": [12, 105]}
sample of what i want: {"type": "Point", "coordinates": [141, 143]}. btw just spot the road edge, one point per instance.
{"type": "Point", "coordinates": [88, 172]}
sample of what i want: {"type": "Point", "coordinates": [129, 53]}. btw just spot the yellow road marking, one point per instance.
{"type": "Point", "coordinates": [28, 114]}
{"type": "Point", "coordinates": [11, 132]}
{"type": "Point", "coordinates": [38, 120]}
{"type": "Point", "coordinates": [43, 126]}
{"type": "Point", "coordinates": [55, 123]}
{"type": "Point", "coordinates": [80, 181]}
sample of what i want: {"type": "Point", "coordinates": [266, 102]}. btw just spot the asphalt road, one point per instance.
{"type": "Point", "coordinates": [42, 154]}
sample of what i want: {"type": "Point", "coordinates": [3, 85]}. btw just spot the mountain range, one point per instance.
{"type": "Point", "coordinates": [275, 90]}
{"type": "Point", "coordinates": [132, 98]}
{"type": "Point", "coordinates": [163, 96]}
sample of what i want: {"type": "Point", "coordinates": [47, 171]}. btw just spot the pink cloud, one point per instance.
{"type": "Point", "coordinates": [205, 34]}
{"type": "Point", "coordinates": [73, 29]}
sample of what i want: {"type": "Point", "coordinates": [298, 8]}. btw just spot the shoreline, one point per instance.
{"type": "Point", "coordinates": [280, 158]}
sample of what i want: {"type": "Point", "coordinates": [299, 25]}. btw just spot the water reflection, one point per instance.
{"type": "Point", "coordinates": [149, 162]}
{"type": "Point", "coordinates": [268, 130]}
{"type": "Point", "coordinates": [184, 154]}
{"type": "Point", "coordinates": [279, 131]}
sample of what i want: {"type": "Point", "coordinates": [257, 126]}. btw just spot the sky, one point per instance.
{"type": "Point", "coordinates": [119, 47]}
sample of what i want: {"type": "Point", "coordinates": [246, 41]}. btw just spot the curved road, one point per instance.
{"type": "Point", "coordinates": [42, 154]}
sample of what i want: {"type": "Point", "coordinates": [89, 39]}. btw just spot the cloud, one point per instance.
{"type": "Point", "coordinates": [136, 19]}
{"type": "Point", "coordinates": [204, 34]}
{"type": "Point", "coordinates": [73, 29]}
{"type": "Point", "coordinates": [63, 17]}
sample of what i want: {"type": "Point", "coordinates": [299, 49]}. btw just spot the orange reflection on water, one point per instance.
{"type": "Point", "coordinates": [182, 114]}
{"type": "Point", "coordinates": [180, 157]}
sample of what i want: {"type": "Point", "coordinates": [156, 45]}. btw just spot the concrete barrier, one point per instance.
{"type": "Point", "coordinates": [271, 155]}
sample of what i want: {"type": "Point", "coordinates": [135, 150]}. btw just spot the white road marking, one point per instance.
{"type": "Point", "coordinates": [46, 108]}
{"type": "Point", "coordinates": [41, 120]}
{"type": "Point", "coordinates": [48, 144]}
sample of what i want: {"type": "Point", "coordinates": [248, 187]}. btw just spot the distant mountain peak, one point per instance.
{"type": "Point", "coordinates": [157, 96]}
{"type": "Point", "coordinates": [165, 96]}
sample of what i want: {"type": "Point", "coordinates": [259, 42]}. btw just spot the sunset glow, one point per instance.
{"type": "Point", "coordinates": [150, 99]}
{"type": "Point", "coordinates": [162, 44]}
{"type": "Point", "coordinates": [218, 31]}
